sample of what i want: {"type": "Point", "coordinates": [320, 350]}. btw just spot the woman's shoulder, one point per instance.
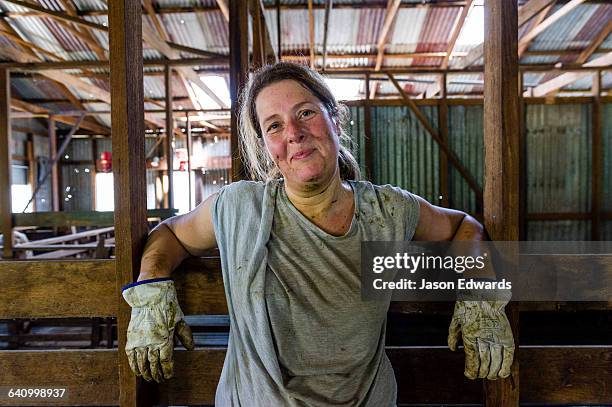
{"type": "Point", "coordinates": [243, 192]}
{"type": "Point", "coordinates": [384, 192]}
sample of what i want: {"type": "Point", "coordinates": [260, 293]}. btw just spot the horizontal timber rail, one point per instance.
{"type": "Point", "coordinates": [87, 288]}
{"type": "Point", "coordinates": [562, 374]}
{"type": "Point", "coordinates": [78, 218]}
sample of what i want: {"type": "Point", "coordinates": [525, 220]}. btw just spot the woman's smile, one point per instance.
{"type": "Point", "coordinates": [302, 154]}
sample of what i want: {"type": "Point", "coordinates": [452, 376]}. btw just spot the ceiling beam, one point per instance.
{"type": "Point", "coordinates": [58, 15]}
{"type": "Point", "coordinates": [435, 87]}
{"type": "Point", "coordinates": [601, 37]}
{"type": "Point", "coordinates": [391, 12]}
{"type": "Point", "coordinates": [85, 33]}
{"type": "Point", "coordinates": [224, 9]}
{"type": "Point", "coordinates": [565, 79]}
{"type": "Point", "coordinates": [523, 45]}
{"type": "Point", "coordinates": [148, 5]}
{"type": "Point", "coordinates": [525, 13]}
{"type": "Point", "coordinates": [538, 29]}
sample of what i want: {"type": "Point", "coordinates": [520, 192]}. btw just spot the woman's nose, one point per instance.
{"type": "Point", "coordinates": [294, 132]}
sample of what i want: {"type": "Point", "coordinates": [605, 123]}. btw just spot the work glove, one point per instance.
{"type": "Point", "coordinates": [487, 338]}
{"type": "Point", "coordinates": [156, 316]}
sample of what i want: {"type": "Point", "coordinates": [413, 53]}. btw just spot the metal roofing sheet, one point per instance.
{"type": "Point", "coordinates": [563, 33]}
{"type": "Point", "coordinates": [404, 36]}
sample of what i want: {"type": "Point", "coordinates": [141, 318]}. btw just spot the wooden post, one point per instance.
{"type": "Point", "coordinates": [596, 176]}
{"type": "Point", "coordinates": [188, 135]}
{"type": "Point", "coordinates": [32, 167]}
{"type": "Point", "coordinates": [443, 126]}
{"type": "Point", "coordinates": [169, 135]}
{"type": "Point", "coordinates": [127, 112]}
{"type": "Point", "coordinates": [257, 35]}
{"type": "Point", "coordinates": [502, 144]}
{"type": "Point", "coordinates": [523, 162]}
{"type": "Point", "coordinates": [5, 163]}
{"type": "Point", "coordinates": [55, 202]}
{"type": "Point", "coordinates": [369, 151]}
{"type": "Point", "coordinates": [239, 68]}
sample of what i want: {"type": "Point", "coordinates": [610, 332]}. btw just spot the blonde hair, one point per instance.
{"type": "Point", "coordinates": [259, 163]}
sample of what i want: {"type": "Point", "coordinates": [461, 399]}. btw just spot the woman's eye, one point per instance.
{"type": "Point", "coordinates": [272, 128]}
{"type": "Point", "coordinates": [307, 113]}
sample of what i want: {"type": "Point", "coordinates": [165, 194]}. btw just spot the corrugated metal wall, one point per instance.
{"type": "Point", "coordinates": [559, 159]}
{"type": "Point", "coordinates": [404, 153]}
{"type": "Point", "coordinates": [76, 179]}
{"type": "Point", "coordinates": [559, 168]}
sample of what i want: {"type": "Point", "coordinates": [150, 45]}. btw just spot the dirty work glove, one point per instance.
{"type": "Point", "coordinates": [156, 316]}
{"type": "Point", "coordinates": [487, 338]}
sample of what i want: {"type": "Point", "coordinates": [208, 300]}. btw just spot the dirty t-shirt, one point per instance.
{"type": "Point", "coordinates": [330, 342]}
{"type": "Point", "coordinates": [299, 333]}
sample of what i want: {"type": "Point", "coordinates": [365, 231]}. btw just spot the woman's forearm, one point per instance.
{"type": "Point", "coordinates": [162, 254]}
{"type": "Point", "coordinates": [469, 229]}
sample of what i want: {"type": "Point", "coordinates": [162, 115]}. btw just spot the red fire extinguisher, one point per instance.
{"type": "Point", "coordinates": [106, 161]}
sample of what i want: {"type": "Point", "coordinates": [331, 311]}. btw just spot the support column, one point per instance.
{"type": "Point", "coordinates": [596, 152]}
{"type": "Point", "coordinates": [367, 125]}
{"type": "Point", "coordinates": [239, 68]}
{"type": "Point", "coordinates": [188, 136]}
{"type": "Point", "coordinates": [55, 202]}
{"type": "Point", "coordinates": [502, 146]}
{"type": "Point", "coordinates": [443, 126]}
{"type": "Point", "coordinates": [6, 219]}
{"type": "Point", "coordinates": [169, 151]}
{"type": "Point", "coordinates": [127, 113]}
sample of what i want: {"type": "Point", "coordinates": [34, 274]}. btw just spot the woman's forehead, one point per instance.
{"type": "Point", "coordinates": [284, 95]}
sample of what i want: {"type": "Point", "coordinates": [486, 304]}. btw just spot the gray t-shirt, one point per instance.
{"type": "Point", "coordinates": [312, 341]}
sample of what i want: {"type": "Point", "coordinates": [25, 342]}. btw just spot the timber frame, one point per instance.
{"type": "Point", "coordinates": [541, 374]}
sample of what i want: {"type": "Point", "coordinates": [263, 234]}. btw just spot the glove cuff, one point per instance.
{"type": "Point", "coordinates": [150, 293]}
{"type": "Point", "coordinates": [151, 280]}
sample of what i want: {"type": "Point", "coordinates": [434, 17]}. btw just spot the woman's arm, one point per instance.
{"type": "Point", "coordinates": [440, 224]}
{"type": "Point", "coordinates": [177, 238]}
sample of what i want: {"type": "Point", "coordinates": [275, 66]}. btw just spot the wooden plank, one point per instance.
{"type": "Point", "coordinates": [239, 67]}
{"type": "Point", "coordinates": [125, 38]}
{"type": "Point", "coordinates": [601, 37]}
{"type": "Point", "coordinates": [5, 163]}
{"type": "Point", "coordinates": [79, 218]}
{"type": "Point", "coordinates": [200, 286]}
{"type": "Point", "coordinates": [89, 376]}
{"type": "Point", "coordinates": [67, 238]}
{"type": "Point", "coordinates": [48, 289]}
{"type": "Point", "coordinates": [524, 45]}
{"type": "Point", "coordinates": [369, 142]}
{"type": "Point", "coordinates": [553, 375]}
{"type": "Point", "coordinates": [502, 145]}
{"type": "Point", "coordinates": [567, 8]}
{"type": "Point", "coordinates": [465, 173]}
{"type": "Point", "coordinates": [390, 14]}
{"type": "Point", "coordinates": [328, 8]}
{"type": "Point", "coordinates": [458, 26]}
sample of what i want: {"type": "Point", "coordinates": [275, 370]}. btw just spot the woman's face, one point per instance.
{"type": "Point", "coordinates": [298, 132]}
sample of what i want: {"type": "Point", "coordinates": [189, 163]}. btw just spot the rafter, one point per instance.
{"type": "Point", "coordinates": [392, 7]}
{"type": "Point", "coordinates": [525, 13]}
{"type": "Point", "coordinates": [601, 37]}
{"type": "Point", "coordinates": [523, 45]}
{"type": "Point", "coordinates": [85, 33]}
{"type": "Point", "coordinates": [565, 79]}
{"type": "Point", "coordinates": [257, 12]}
{"type": "Point", "coordinates": [58, 15]}
{"type": "Point", "coordinates": [434, 88]}
{"type": "Point", "coordinates": [148, 5]}
{"type": "Point", "coordinates": [224, 9]}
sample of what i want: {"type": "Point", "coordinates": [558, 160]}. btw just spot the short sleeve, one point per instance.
{"type": "Point", "coordinates": [393, 198]}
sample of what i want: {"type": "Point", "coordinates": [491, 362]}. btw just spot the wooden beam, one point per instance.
{"type": "Point", "coordinates": [36, 289]}
{"type": "Point", "coordinates": [443, 159]}
{"type": "Point", "coordinates": [597, 160]}
{"type": "Point", "coordinates": [565, 79]}
{"type": "Point", "coordinates": [55, 203]}
{"type": "Point", "coordinates": [148, 5]}
{"type": "Point", "coordinates": [258, 58]}
{"type": "Point", "coordinates": [5, 163]}
{"type": "Point", "coordinates": [465, 173]}
{"type": "Point", "coordinates": [168, 150]}
{"type": "Point", "coordinates": [239, 68]}
{"type": "Point", "coordinates": [58, 15]}
{"type": "Point", "coordinates": [601, 37]}
{"type": "Point", "coordinates": [549, 21]}
{"type": "Point", "coordinates": [392, 7]}
{"type": "Point", "coordinates": [224, 9]}
{"type": "Point", "coordinates": [311, 35]}
{"type": "Point", "coordinates": [328, 8]}
{"type": "Point", "coordinates": [79, 218]}
{"type": "Point", "coordinates": [523, 45]}
{"type": "Point", "coordinates": [85, 34]}
{"type": "Point", "coordinates": [267, 49]}
{"type": "Point", "coordinates": [367, 126]}
{"type": "Point", "coordinates": [501, 148]}
{"type": "Point", "coordinates": [125, 39]}
{"type": "Point", "coordinates": [525, 13]}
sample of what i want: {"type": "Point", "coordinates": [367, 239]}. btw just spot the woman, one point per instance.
{"type": "Point", "coordinates": [300, 335]}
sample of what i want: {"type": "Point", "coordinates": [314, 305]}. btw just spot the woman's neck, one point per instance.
{"type": "Point", "coordinates": [323, 201]}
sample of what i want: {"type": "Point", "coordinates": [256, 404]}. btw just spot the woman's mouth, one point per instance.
{"type": "Point", "coordinates": [300, 155]}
